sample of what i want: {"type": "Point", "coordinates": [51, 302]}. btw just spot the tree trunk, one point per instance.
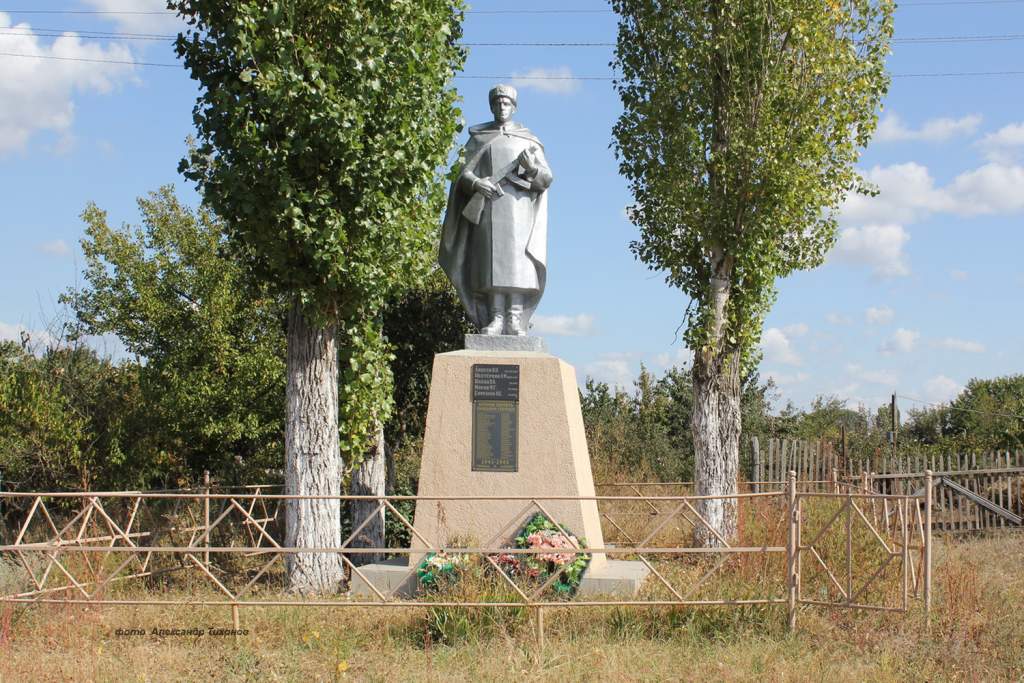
{"type": "Point", "coordinates": [716, 418]}
{"type": "Point", "coordinates": [716, 441]}
{"type": "Point", "coordinates": [313, 464]}
{"type": "Point", "coordinates": [369, 480]}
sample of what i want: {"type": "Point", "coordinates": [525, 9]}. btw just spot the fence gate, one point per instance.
{"type": "Point", "coordinates": [860, 550]}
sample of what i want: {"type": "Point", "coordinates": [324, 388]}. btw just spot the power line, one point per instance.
{"type": "Point", "coordinates": [92, 61]}
{"type": "Point", "coordinates": [115, 35]}
{"type": "Point", "coordinates": [43, 33]}
{"type": "Point", "coordinates": [505, 76]}
{"type": "Point", "coordinates": [965, 410]}
{"type": "Point", "coordinates": [918, 3]}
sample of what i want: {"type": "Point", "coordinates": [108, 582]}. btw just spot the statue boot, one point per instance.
{"type": "Point", "coordinates": [497, 325]}
{"type": "Point", "coordinates": [497, 306]}
{"type": "Point", "coordinates": [516, 324]}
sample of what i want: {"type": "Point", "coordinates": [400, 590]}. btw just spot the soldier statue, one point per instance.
{"type": "Point", "coordinates": [494, 242]}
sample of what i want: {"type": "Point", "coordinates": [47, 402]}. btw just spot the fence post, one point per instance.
{"type": "Point", "coordinates": [927, 569]}
{"type": "Point", "coordinates": [791, 548]}
{"type": "Point", "coordinates": [906, 553]}
{"type": "Point", "coordinates": [835, 480]}
{"type": "Point", "coordinates": [756, 447]}
{"type": "Point", "coordinates": [206, 516]}
{"type": "Point", "coordinates": [539, 613]}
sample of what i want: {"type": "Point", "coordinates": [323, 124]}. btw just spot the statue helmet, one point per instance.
{"type": "Point", "coordinates": [502, 90]}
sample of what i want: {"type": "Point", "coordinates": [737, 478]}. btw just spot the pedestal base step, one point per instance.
{"type": "Point", "coordinates": [618, 578]}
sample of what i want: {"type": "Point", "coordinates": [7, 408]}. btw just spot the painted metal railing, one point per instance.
{"type": "Point", "coordinates": [79, 547]}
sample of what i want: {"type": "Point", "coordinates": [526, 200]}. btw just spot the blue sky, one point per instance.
{"type": "Point", "coordinates": [921, 294]}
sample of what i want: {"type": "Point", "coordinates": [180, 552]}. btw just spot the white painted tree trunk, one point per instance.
{"type": "Point", "coordinates": [313, 464]}
{"type": "Point", "coordinates": [370, 480]}
{"type": "Point", "coordinates": [716, 429]}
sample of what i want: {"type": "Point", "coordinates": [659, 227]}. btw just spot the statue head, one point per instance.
{"type": "Point", "coordinates": [503, 102]}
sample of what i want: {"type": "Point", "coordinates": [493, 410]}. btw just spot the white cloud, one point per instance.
{"type": "Point", "coordinates": [838, 319]}
{"type": "Point", "coordinates": [682, 357]}
{"type": "Point", "coordinates": [879, 247]}
{"type": "Point", "coordinates": [941, 389]}
{"type": "Point", "coordinates": [993, 188]}
{"type": "Point", "coordinates": [907, 193]}
{"type": "Point", "coordinates": [55, 248]}
{"type": "Point", "coordinates": [964, 345]}
{"type": "Point", "coordinates": [782, 379]}
{"type": "Point", "coordinates": [36, 338]}
{"type": "Point", "coordinates": [881, 315]}
{"type": "Point", "coordinates": [38, 94]}
{"type": "Point", "coordinates": [901, 341]}
{"type": "Point", "coordinates": [1005, 145]}
{"type": "Point", "coordinates": [159, 20]}
{"type": "Point", "coordinates": [883, 377]}
{"type": "Point", "coordinates": [892, 129]}
{"type": "Point", "coordinates": [558, 80]}
{"type": "Point", "coordinates": [959, 275]}
{"type": "Point", "coordinates": [777, 347]}
{"type": "Point", "coordinates": [614, 369]}
{"type": "Point", "coordinates": [796, 329]}
{"type": "Point", "coordinates": [564, 325]}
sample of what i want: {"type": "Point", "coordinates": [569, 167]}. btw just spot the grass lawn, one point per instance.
{"type": "Point", "coordinates": [977, 634]}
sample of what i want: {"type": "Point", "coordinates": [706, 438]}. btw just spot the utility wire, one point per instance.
{"type": "Point", "coordinates": [918, 3]}
{"type": "Point", "coordinates": [114, 35]}
{"type": "Point", "coordinates": [502, 77]}
{"type": "Point", "coordinates": [92, 61]}
{"type": "Point", "coordinates": [965, 410]}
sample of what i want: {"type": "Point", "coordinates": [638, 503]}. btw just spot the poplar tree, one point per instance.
{"type": "Point", "coordinates": [323, 128]}
{"type": "Point", "coordinates": [742, 121]}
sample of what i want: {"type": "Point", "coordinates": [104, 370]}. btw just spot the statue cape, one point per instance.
{"type": "Point", "coordinates": [455, 233]}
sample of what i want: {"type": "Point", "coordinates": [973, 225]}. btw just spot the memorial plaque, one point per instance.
{"type": "Point", "coordinates": [495, 382]}
{"type": "Point", "coordinates": [495, 436]}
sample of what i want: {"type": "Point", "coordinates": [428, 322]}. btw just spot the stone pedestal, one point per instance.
{"type": "Point", "coordinates": [552, 458]}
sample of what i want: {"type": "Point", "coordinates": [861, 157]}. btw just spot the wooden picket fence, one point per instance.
{"type": "Point", "coordinates": [973, 492]}
{"type": "Point", "coordinates": [813, 461]}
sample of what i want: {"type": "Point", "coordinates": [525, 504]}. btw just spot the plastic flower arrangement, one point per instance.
{"type": "Point", "coordinates": [541, 533]}
{"type": "Point", "coordinates": [437, 568]}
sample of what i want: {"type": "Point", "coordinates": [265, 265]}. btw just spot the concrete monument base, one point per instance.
{"type": "Point", "coordinates": [617, 579]}
{"type": "Point", "coordinates": [547, 439]}
{"type": "Point", "coordinates": [504, 342]}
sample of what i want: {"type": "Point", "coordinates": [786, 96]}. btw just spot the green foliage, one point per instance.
{"type": "Point", "coordinates": [323, 131]}
{"type": "Point", "coordinates": [213, 344]}
{"type": "Point", "coordinates": [742, 122]}
{"type": "Point", "coordinates": [419, 323]}
{"type": "Point", "coordinates": [70, 419]}
{"type": "Point", "coordinates": [987, 415]}
{"type": "Point", "coordinates": [645, 435]}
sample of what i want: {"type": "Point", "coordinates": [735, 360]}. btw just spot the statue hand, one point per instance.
{"type": "Point", "coordinates": [487, 188]}
{"type": "Point", "coordinates": [528, 161]}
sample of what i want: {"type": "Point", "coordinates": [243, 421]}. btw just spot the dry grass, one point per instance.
{"type": "Point", "coordinates": [977, 634]}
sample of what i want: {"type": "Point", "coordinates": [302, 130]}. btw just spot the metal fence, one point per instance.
{"type": "Point", "coordinates": [89, 548]}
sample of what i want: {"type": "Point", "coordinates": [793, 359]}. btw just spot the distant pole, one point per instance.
{"type": "Point", "coordinates": [895, 426]}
